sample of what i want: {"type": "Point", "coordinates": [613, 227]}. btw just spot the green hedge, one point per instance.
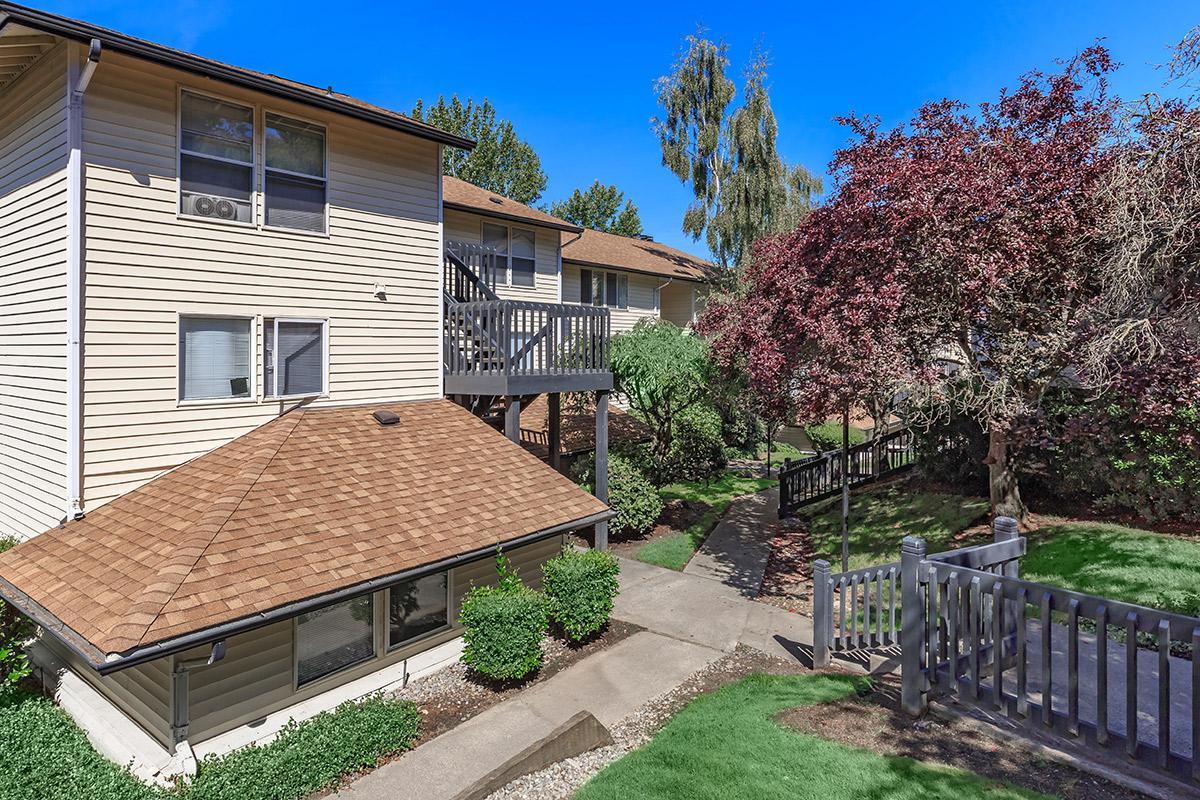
{"type": "Point", "coordinates": [697, 449]}
{"type": "Point", "coordinates": [311, 755]}
{"type": "Point", "coordinates": [44, 755]}
{"type": "Point", "coordinates": [630, 494]}
{"type": "Point", "coordinates": [15, 629]}
{"type": "Point", "coordinates": [580, 587]}
{"type": "Point", "coordinates": [828, 436]}
{"type": "Point", "coordinates": [503, 631]}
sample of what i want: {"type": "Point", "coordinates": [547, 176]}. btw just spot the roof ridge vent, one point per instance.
{"type": "Point", "coordinates": [385, 417]}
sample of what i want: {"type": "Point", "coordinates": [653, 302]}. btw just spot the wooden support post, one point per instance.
{"type": "Point", "coordinates": [1004, 529]}
{"type": "Point", "coordinates": [912, 683]}
{"type": "Point", "coordinates": [512, 418]}
{"type": "Point", "coordinates": [602, 463]}
{"type": "Point", "coordinates": [822, 614]}
{"type": "Point", "coordinates": [555, 432]}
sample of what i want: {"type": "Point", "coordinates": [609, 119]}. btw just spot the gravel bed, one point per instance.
{"type": "Point", "coordinates": [560, 781]}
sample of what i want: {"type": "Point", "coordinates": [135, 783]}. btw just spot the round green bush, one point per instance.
{"type": "Point", "coordinates": [698, 448]}
{"type": "Point", "coordinates": [503, 631]}
{"type": "Point", "coordinates": [828, 436]}
{"type": "Point", "coordinates": [630, 494]}
{"type": "Point", "coordinates": [580, 587]}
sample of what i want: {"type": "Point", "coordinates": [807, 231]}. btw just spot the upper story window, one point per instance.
{"type": "Point", "coordinates": [216, 159]}
{"type": "Point", "coordinates": [598, 288]}
{"type": "Point", "coordinates": [295, 357]}
{"type": "Point", "coordinates": [516, 250]}
{"type": "Point", "coordinates": [294, 183]}
{"type": "Point", "coordinates": [214, 357]}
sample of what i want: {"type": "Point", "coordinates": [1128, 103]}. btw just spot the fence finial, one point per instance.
{"type": "Point", "coordinates": [1005, 528]}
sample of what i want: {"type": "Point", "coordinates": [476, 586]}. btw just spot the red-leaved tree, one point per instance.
{"type": "Point", "coordinates": [956, 259]}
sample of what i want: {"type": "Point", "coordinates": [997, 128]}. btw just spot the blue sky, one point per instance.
{"type": "Point", "coordinates": [577, 79]}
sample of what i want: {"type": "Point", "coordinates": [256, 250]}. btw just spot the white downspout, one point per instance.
{"type": "Point", "coordinates": [78, 79]}
{"type": "Point", "coordinates": [441, 272]}
{"type": "Point", "coordinates": [658, 296]}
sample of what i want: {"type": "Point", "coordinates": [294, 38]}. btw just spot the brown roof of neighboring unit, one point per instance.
{"type": "Point", "coordinates": [312, 502]}
{"type": "Point", "coordinates": [577, 430]}
{"type": "Point", "coordinates": [465, 196]}
{"type": "Point", "coordinates": [608, 250]}
{"type": "Point", "coordinates": [272, 84]}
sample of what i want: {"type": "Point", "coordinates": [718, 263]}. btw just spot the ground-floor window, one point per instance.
{"type": "Point", "coordinates": [334, 637]}
{"type": "Point", "coordinates": [418, 607]}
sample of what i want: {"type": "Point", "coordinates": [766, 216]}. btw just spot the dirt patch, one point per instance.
{"type": "Point", "coordinates": [875, 722]}
{"type": "Point", "coordinates": [787, 581]}
{"type": "Point", "coordinates": [677, 516]}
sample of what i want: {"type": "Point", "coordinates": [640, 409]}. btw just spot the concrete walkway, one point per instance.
{"type": "Point", "coordinates": [736, 551]}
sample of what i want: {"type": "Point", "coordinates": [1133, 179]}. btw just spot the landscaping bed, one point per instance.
{"type": "Point", "coordinates": [678, 515]}
{"type": "Point", "coordinates": [874, 722]}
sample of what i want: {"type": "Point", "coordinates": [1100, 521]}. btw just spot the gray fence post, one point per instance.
{"type": "Point", "coordinates": [912, 626]}
{"type": "Point", "coordinates": [822, 614]}
{"type": "Point", "coordinates": [1005, 529]}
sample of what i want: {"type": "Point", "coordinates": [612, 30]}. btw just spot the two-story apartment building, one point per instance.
{"type": "Point", "coordinates": [229, 323]}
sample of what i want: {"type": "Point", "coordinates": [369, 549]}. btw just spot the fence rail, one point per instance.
{"type": "Point", "coordinates": [517, 338]}
{"type": "Point", "coordinates": [813, 479]}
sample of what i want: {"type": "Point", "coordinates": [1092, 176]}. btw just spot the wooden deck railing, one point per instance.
{"type": "Point", "coordinates": [472, 271]}
{"type": "Point", "coordinates": [814, 479]}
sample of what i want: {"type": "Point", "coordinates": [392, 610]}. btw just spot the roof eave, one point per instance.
{"type": "Point", "coordinates": [620, 268]}
{"type": "Point", "coordinates": [487, 212]}
{"type": "Point", "coordinates": [83, 32]}
{"type": "Point", "coordinates": [105, 664]}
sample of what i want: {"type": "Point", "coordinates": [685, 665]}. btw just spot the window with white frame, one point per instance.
{"type": "Point", "coordinates": [417, 608]}
{"type": "Point", "coordinates": [216, 159]}
{"type": "Point", "coordinates": [214, 357]}
{"type": "Point", "coordinates": [335, 637]}
{"type": "Point", "coordinates": [597, 288]}
{"type": "Point", "coordinates": [295, 357]}
{"type": "Point", "coordinates": [516, 253]}
{"type": "Point", "coordinates": [294, 181]}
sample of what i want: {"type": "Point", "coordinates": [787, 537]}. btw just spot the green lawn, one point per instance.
{"type": "Point", "coordinates": [674, 552]}
{"type": "Point", "coordinates": [880, 519]}
{"type": "Point", "coordinates": [1150, 569]}
{"type": "Point", "coordinates": [725, 746]}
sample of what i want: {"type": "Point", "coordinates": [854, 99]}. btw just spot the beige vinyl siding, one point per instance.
{"type": "Point", "coordinates": [463, 226]}
{"type": "Point", "coordinates": [146, 265]}
{"type": "Point", "coordinates": [641, 295]}
{"type": "Point", "coordinates": [143, 693]}
{"type": "Point", "coordinates": [33, 305]}
{"type": "Point", "coordinates": [680, 303]}
{"type": "Point", "coordinates": [257, 674]}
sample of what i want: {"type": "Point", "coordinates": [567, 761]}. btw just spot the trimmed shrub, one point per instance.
{"type": "Point", "coordinates": [698, 449]}
{"type": "Point", "coordinates": [503, 626]}
{"type": "Point", "coordinates": [580, 587]}
{"type": "Point", "coordinates": [311, 755]}
{"type": "Point", "coordinates": [15, 630]}
{"type": "Point", "coordinates": [630, 494]}
{"type": "Point", "coordinates": [828, 436]}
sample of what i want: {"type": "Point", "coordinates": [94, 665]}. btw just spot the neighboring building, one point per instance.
{"type": "Point", "coordinates": [231, 317]}
{"type": "Point", "coordinates": [635, 278]}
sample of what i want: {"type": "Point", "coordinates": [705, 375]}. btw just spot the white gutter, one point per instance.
{"type": "Point", "coordinates": [77, 83]}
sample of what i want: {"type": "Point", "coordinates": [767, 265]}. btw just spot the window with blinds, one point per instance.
{"type": "Point", "coordinates": [294, 353]}
{"type": "Point", "coordinates": [294, 178]}
{"type": "Point", "coordinates": [214, 358]}
{"type": "Point", "coordinates": [417, 607]}
{"type": "Point", "coordinates": [334, 637]}
{"type": "Point", "coordinates": [603, 289]}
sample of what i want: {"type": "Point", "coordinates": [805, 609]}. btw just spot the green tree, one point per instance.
{"type": "Point", "coordinates": [501, 162]}
{"type": "Point", "coordinates": [743, 188]}
{"type": "Point", "coordinates": [599, 208]}
{"type": "Point", "coordinates": [663, 370]}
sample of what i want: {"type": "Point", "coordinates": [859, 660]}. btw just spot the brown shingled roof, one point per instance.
{"type": "Point", "coordinates": [465, 196]}
{"type": "Point", "coordinates": [312, 502]}
{"type": "Point", "coordinates": [577, 429]}
{"type": "Point", "coordinates": [608, 250]}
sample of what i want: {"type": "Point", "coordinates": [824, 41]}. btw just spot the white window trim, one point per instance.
{"type": "Point", "coordinates": [605, 272]}
{"type": "Point", "coordinates": [508, 228]}
{"type": "Point", "coordinates": [180, 90]}
{"type": "Point", "coordinates": [275, 320]}
{"type": "Point", "coordinates": [261, 182]}
{"type": "Point", "coordinates": [216, 401]}
{"type": "Point", "coordinates": [388, 647]}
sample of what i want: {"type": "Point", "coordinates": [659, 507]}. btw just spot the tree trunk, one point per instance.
{"type": "Point", "coordinates": [1002, 479]}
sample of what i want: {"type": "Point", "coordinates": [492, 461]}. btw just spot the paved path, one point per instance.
{"type": "Point", "coordinates": [611, 684]}
{"type": "Point", "coordinates": [736, 551]}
